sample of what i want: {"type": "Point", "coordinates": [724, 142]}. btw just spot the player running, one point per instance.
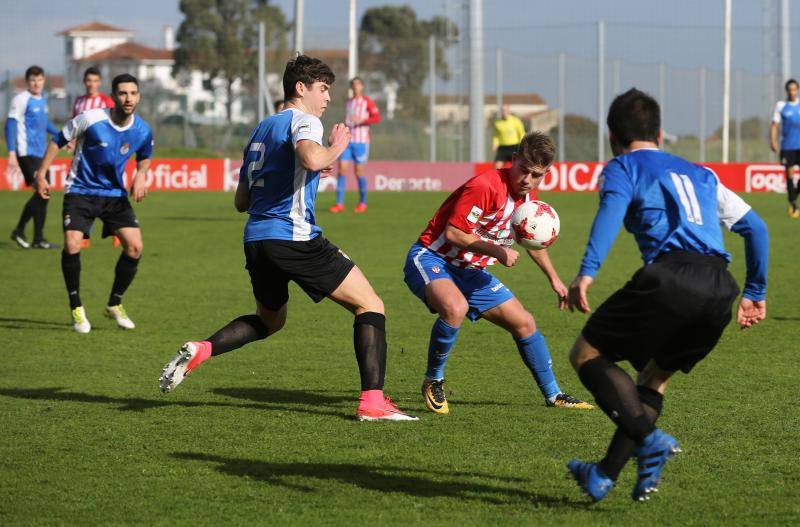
{"type": "Point", "coordinates": [105, 141]}
{"type": "Point", "coordinates": [277, 187]}
{"type": "Point", "coordinates": [673, 311]}
{"type": "Point", "coordinates": [508, 131]}
{"type": "Point", "coordinates": [360, 114]}
{"type": "Point", "coordinates": [787, 115]}
{"type": "Point", "coordinates": [26, 136]}
{"type": "Point", "coordinates": [446, 269]}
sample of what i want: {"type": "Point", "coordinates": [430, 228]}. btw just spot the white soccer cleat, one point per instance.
{"type": "Point", "coordinates": [118, 313]}
{"type": "Point", "coordinates": [79, 321]}
{"type": "Point", "coordinates": [177, 369]}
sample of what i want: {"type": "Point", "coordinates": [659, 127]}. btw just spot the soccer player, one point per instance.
{"type": "Point", "coordinates": [277, 187]}
{"type": "Point", "coordinates": [671, 314]}
{"type": "Point", "coordinates": [26, 136]}
{"type": "Point", "coordinates": [360, 114]}
{"type": "Point", "coordinates": [92, 99]}
{"type": "Point", "coordinates": [508, 132]}
{"type": "Point", "coordinates": [106, 140]}
{"type": "Point", "coordinates": [446, 269]}
{"type": "Point", "coordinates": [787, 115]}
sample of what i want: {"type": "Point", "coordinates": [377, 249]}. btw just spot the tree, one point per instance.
{"type": "Point", "coordinates": [220, 38]}
{"type": "Point", "coordinates": [393, 41]}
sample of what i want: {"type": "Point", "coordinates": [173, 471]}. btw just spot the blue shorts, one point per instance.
{"type": "Point", "coordinates": [356, 152]}
{"type": "Point", "coordinates": [482, 290]}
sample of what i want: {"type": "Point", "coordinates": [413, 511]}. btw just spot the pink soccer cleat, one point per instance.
{"type": "Point", "coordinates": [387, 411]}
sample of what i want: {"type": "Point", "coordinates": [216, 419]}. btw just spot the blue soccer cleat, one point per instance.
{"type": "Point", "coordinates": [590, 479]}
{"type": "Point", "coordinates": [651, 456]}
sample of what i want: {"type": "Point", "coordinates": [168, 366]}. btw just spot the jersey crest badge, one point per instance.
{"type": "Point", "coordinates": [124, 149]}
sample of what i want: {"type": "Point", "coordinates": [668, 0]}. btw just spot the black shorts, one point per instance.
{"type": "Point", "coordinates": [80, 211]}
{"type": "Point", "coordinates": [317, 266]}
{"type": "Point", "coordinates": [28, 165]}
{"type": "Point", "coordinates": [672, 311]}
{"type": "Point", "coordinates": [505, 153]}
{"type": "Point", "coordinates": [790, 158]}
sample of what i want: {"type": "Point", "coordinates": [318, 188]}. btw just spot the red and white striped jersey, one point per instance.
{"type": "Point", "coordinates": [359, 114]}
{"type": "Point", "coordinates": [481, 206]}
{"type": "Point", "coordinates": [85, 102]}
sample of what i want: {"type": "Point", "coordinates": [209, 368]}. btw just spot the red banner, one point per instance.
{"type": "Point", "coordinates": [223, 174]}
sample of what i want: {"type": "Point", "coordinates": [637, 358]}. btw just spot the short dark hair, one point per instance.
{"type": "Point", "coordinates": [307, 70]}
{"type": "Point", "coordinates": [789, 83]}
{"type": "Point", "coordinates": [33, 71]}
{"type": "Point", "coordinates": [357, 78]}
{"type": "Point", "coordinates": [119, 79]}
{"type": "Point", "coordinates": [634, 116]}
{"type": "Point", "coordinates": [537, 148]}
{"type": "Point", "coordinates": [91, 70]}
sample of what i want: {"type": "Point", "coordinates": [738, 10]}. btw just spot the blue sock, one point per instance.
{"type": "Point", "coordinates": [341, 183]}
{"type": "Point", "coordinates": [443, 336]}
{"type": "Point", "coordinates": [362, 189]}
{"type": "Point", "coordinates": [536, 357]}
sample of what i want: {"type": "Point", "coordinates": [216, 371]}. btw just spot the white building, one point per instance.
{"type": "Point", "coordinates": [112, 51]}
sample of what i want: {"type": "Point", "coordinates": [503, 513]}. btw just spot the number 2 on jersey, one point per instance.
{"type": "Point", "coordinates": [686, 193]}
{"type": "Point", "coordinates": [257, 163]}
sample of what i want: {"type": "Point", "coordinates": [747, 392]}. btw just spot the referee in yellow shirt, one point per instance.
{"type": "Point", "coordinates": [508, 132]}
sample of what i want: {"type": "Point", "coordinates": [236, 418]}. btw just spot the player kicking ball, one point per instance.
{"type": "Point", "coordinates": [671, 314]}
{"type": "Point", "coordinates": [282, 242]}
{"type": "Point", "coordinates": [105, 141]}
{"type": "Point", "coordinates": [446, 269]}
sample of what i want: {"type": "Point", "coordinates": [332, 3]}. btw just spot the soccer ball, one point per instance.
{"type": "Point", "coordinates": [535, 225]}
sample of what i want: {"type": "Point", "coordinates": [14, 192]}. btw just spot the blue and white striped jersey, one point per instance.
{"type": "Point", "coordinates": [102, 151]}
{"type": "Point", "coordinates": [28, 124]}
{"type": "Point", "coordinates": [282, 192]}
{"type": "Point", "coordinates": [670, 204]}
{"type": "Point", "coordinates": [788, 115]}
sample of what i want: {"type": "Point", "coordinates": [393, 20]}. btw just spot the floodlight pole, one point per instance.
{"type": "Point", "coordinates": [352, 58]}
{"type": "Point", "coordinates": [786, 42]}
{"type": "Point", "coordinates": [601, 96]}
{"type": "Point", "coordinates": [477, 146]}
{"type": "Point", "coordinates": [562, 101]}
{"type": "Point", "coordinates": [738, 115]}
{"type": "Point", "coordinates": [261, 88]}
{"type": "Point", "coordinates": [432, 95]}
{"type": "Point", "coordinates": [726, 85]}
{"type": "Point", "coordinates": [298, 26]}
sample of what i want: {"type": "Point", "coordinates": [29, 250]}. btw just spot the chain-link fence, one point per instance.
{"type": "Point", "coordinates": [547, 74]}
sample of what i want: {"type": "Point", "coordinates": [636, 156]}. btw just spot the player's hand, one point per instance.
{"type": "Point", "coordinates": [139, 189]}
{"type": "Point", "coordinates": [562, 291]}
{"type": "Point", "coordinates": [41, 187]}
{"type": "Point", "coordinates": [507, 257]}
{"type": "Point", "coordinates": [751, 312]}
{"type": "Point", "coordinates": [577, 297]}
{"type": "Point", "coordinates": [327, 171]}
{"type": "Point", "coordinates": [340, 137]}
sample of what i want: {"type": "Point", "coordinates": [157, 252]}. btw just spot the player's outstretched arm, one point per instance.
{"type": "Point", "coordinates": [472, 243]}
{"type": "Point", "coordinates": [542, 259]}
{"type": "Point", "coordinates": [753, 306]}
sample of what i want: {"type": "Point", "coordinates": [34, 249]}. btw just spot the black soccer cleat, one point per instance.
{"type": "Point", "coordinates": [44, 244]}
{"type": "Point", "coordinates": [19, 238]}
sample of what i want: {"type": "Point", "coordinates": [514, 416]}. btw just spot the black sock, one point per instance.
{"type": "Point", "coordinates": [71, 268]}
{"type": "Point", "coordinates": [791, 188]}
{"type": "Point", "coordinates": [27, 213]}
{"type": "Point", "coordinates": [622, 447]}
{"type": "Point", "coordinates": [369, 340]}
{"type": "Point", "coordinates": [123, 276]}
{"type": "Point", "coordinates": [237, 333]}
{"type": "Point", "coordinates": [39, 216]}
{"type": "Point", "coordinates": [615, 392]}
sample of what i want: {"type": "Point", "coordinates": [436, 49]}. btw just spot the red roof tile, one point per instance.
{"type": "Point", "coordinates": [129, 51]}
{"type": "Point", "coordinates": [94, 27]}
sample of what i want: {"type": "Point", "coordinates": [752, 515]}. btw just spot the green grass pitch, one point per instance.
{"type": "Point", "coordinates": [265, 435]}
